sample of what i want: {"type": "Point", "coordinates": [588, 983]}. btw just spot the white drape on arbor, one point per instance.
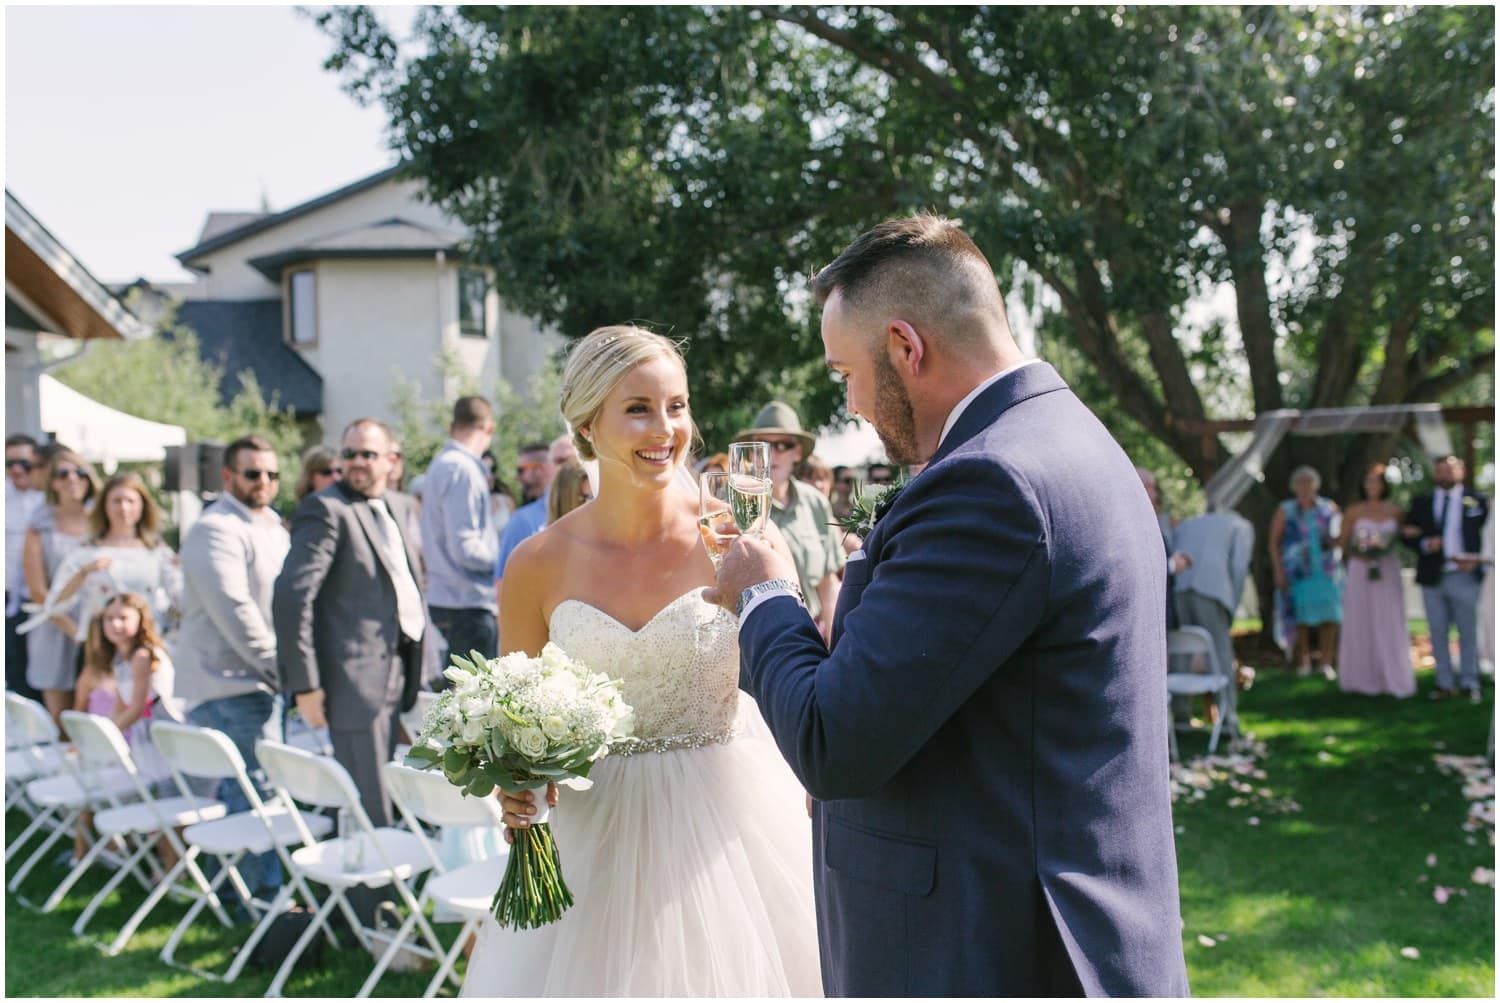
{"type": "Point", "coordinates": [1237, 476]}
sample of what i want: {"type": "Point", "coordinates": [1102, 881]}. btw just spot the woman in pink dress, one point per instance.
{"type": "Point", "coordinates": [1375, 648]}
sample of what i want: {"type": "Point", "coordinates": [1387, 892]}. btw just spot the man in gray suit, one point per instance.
{"type": "Point", "coordinates": [348, 612]}
{"type": "Point", "coordinates": [1207, 592]}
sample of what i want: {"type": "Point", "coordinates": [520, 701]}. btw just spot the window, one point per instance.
{"type": "Point", "coordinates": [302, 313]}
{"type": "Point", "coordinates": [473, 294]}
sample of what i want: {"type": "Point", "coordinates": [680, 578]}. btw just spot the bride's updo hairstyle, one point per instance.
{"type": "Point", "coordinates": [596, 363]}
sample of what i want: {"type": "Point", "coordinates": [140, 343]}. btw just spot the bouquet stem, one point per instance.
{"type": "Point", "coordinates": [532, 893]}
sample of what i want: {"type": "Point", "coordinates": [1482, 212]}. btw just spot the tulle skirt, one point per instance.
{"type": "Point", "coordinates": [691, 874]}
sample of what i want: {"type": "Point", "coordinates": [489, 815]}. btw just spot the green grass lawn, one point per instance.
{"type": "Point", "coordinates": [1313, 902]}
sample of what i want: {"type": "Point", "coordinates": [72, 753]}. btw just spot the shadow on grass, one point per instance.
{"type": "Point", "coordinates": [1321, 901]}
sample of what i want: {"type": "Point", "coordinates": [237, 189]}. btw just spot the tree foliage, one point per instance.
{"type": "Point", "coordinates": [687, 166]}
{"type": "Point", "coordinates": [165, 378]}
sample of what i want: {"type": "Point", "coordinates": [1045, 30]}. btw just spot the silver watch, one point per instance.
{"type": "Point", "coordinates": [774, 585]}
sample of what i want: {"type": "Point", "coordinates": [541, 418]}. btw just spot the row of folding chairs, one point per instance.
{"type": "Point", "coordinates": [130, 818]}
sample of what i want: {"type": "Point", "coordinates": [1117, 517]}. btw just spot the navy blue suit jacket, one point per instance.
{"type": "Point", "coordinates": [987, 740]}
{"type": "Point", "coordinates": [1476, 508]}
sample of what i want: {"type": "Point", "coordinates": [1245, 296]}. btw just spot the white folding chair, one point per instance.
{"type": "Point", "coordinates": [208, 754]}
{"type": "Point", "coordinates": [428, 798]}
{"type": "Point", "coordinates": [33, 749]}
{"type": "Point", "coordinates": [1190, 642]}
{"type": "Point", "coordinates": [143, 821]}
{"type": "Point", "coordinates": [60, 800]}
{"type": "Point", "coordinates": [371, 857]}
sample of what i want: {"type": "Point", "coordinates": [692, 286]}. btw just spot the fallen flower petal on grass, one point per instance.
{"type": "Point", "coordinates": [1441, 894]}
{"type": "Point", "coordinates": [1206, 940]}
{"type": "Point", "coordinates": [1252, 820]}
{"type": "Point", "coordinates": [1432, 860]}
{"type": "Point", "coordinates": [1411, 953]}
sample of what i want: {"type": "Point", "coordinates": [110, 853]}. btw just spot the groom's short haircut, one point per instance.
{"type": "Point", "coordinates": [922, 269]}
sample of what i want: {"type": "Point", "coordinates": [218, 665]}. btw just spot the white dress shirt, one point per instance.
{"type": "Point", "coordinates": [1452, 522]}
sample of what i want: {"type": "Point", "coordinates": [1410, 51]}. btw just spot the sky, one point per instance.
{"type": "Point", "coordinates": [125, 126]}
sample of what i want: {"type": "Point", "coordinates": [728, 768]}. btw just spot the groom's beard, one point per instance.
{"type": "Point", "coordinates": [893, 420]}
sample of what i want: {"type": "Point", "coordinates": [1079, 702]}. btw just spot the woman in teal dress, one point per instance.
{"type": "Point", "coordinates": [1309, 575]}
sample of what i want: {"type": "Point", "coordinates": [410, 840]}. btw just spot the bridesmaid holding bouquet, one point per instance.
{"type": "Point", "coordinates": [1375, 647]}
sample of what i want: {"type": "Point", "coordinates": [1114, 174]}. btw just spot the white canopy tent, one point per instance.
{"type": "Point", "coordinates": [100, 434]}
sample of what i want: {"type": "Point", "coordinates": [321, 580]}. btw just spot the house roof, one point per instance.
{"type": "Point", "coordinates": [54, 287]}
{"type": "Point", "coordinates": [389, 238]}
{"type": "Point", "coordinates": [207, 243]}
{"type": "Point", "coordinates": [220, 223]}
{"type": "Point", "coordinates": [246, 334]}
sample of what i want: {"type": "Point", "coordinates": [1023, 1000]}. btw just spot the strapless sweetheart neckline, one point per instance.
{"type": "Point", "coordinates": [620, 623]}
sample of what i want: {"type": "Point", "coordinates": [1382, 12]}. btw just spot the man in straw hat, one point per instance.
{"type": "Point", "coordinates": [804, 516]}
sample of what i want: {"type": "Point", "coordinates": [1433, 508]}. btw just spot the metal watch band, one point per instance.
{"type": "Point", "coordinates": [774, 585]}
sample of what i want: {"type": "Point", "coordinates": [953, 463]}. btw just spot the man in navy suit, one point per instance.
{"type": "Point", "coordinates": [986, 737]}
{"type": "Point", "coordinates": [1444, 527]}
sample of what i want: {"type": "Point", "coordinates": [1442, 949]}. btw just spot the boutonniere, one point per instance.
{"type": "Point", "coordinates": [1470, 502]}
{"type": "Point", "coordinates": [865, 510]}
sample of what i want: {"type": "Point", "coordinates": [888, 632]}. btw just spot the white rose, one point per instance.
{"type": "Point", "coordinates": [458, 677]}
{"type": "Point", "coordinates": [555, 728]}
{"type": "Point", "coordinates": [530, 742]}
{"type": "Point", "coordinates": [473, 732]}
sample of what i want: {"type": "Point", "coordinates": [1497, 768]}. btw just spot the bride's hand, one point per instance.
{"type": "Point", "coordinates": [518, 808]}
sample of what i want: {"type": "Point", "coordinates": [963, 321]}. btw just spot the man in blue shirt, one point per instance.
{"type": "Point", "coordinates": [458, 531]}
{"type": "Point", "coordinates": [538, 466]}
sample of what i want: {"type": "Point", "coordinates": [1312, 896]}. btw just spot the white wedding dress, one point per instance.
{"type": "Point", "coordinates": [690, 859]}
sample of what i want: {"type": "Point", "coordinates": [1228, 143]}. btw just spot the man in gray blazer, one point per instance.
{"type": "Point", "coordinates": [348, 612]}
{"type": "Point", "coordinates": [1219, 544]}
{"type": "Point", "coordinates": [225, 655]}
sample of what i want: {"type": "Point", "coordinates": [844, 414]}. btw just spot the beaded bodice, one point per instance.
{"type": "Point", "coordinates": [680, 671]}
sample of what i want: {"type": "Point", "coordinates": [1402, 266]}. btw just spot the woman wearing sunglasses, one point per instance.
{"type": "Point", "coordinates": [56, 531]}
{"type": "Point", "coordinates": [321, 466]}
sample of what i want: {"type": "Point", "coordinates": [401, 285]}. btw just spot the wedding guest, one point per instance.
{"type": "Point", "coordinates": [1305, 563]}
{"type": "Point", "coordinates": [502, 499]}
{"type": "Point", "coordinates": [57, 529]}
{"type": "Point", "coordinates": [1207, 589]}
{"type": "Point", "coordinates": [123, 552]}
{"type": "Point", "coordinates": [817, 473]}
{"type": "Point", "coordinates": [1176, 561]}
{"type": "Point", "coordinates": [1444, 528]}
{"type": "Point", "coordinates": [321, 466]}
{"type": "Point", "coordinates": [124, 643]}
{"type": "Point", "coordinates": [880, 474]}
{"type": "Point", "coordinates": [717, 461]}
{"type": "Point", "coordinates": [461, 542]}
{"type": "Point", "coordinates": [536, 469]}
{"type": "Point", "coordinates": [1487, 597]}
{"type": "Point", "coordinates": [845, 481]}
{"type": "Point", "coordinates": [396, 479]}
{"type": "Point", "coordinates": [21, 503]}
{"type": "Point", "coordinates": [1374, 644]}
{"type": "Point", "coordinates": [226, 651]}
{"type": "Point", "coordinates": [570, 489]}
{"type": "Point", "coordinates": [803, 514]}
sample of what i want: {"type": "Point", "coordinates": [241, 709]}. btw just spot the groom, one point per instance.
{"type": "Point", "coordinates": [986, 740]}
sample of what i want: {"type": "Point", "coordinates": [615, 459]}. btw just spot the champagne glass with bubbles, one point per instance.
{"type": "Point", "coordinates": [750, 486]}
{"type": "Point", "coordinates": [716, 514]}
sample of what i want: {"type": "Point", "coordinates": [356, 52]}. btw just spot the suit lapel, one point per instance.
{"type": "Point", "coordinates": [365, 516]}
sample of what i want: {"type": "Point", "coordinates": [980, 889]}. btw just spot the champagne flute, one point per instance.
{"type": "Point", "coordinates": [716, 514]}
{"type": "Point", "coordinates": [750, 485]}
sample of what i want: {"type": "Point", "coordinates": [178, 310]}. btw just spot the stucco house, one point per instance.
{"type": "Point", "coordinates": [332, 301]}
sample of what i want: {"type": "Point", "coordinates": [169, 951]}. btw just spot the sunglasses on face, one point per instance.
{"type": "Point", "coordinates": [68, 474]}
{"type": "Point", "coordinates": [331, 472]}
{"type": "Point", "coordinates": [23, 464]}
{"type": "Point", "coordinates": [254, 475]}
{"type": "Point", "coordinates": [781, 445]}
{"type": "Point", "coordinates": [360, 454]}
{"type": "Point", "coordinates": [522, 469]}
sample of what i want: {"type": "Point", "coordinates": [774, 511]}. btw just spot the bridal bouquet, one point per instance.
{"type": "Point", "coordinates": [517, 723]}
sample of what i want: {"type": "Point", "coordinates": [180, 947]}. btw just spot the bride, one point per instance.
{"type": "Point", "coordinates": [690, 857]}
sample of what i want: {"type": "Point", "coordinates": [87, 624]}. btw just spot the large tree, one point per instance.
{"type": "Point", "coordinates": [686, 166]}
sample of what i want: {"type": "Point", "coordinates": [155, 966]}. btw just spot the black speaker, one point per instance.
{"type": "Point", "coordinates": [193, 467]}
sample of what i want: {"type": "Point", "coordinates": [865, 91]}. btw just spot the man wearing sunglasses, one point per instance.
{"type": "Point", "coordinates": [21, 504]}
{"type": "Point", "coordinates": [225, 655]}
{"type": "Point", "coordinates": [348, 614]}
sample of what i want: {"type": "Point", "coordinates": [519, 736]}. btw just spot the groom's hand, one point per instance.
{"type": "Point", "coordinates": [749, 562]}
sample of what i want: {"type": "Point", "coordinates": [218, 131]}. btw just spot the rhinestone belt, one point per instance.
{"type": "Point", "coordinates": [670, 743]}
